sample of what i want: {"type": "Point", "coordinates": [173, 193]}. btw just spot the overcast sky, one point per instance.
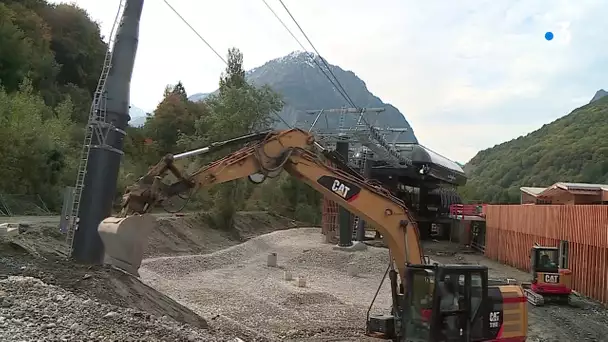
{"type": "Point", "coordinates": [466, 74]}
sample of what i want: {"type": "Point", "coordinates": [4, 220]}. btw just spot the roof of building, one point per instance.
{"type": "Point", "coordinates": [574, 188]}
{"type": "Point", "coordinates": [532, 190]}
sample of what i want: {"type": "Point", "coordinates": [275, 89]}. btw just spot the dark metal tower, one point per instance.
{"type": "Point", "coordinates": [102, 151]}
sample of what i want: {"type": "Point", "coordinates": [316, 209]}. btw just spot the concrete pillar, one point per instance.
{"type": "Point", "coordinates": [346, 235]}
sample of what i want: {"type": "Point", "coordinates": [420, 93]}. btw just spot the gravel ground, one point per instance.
{"type": "Point", "coordinates": [31, 310]}
{"type": "Point", "coordinates": [235, 286]}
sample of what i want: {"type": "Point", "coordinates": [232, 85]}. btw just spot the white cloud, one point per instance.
{"type": "Point", "coordinates": [458, 70]}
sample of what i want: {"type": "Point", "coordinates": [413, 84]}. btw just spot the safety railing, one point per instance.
{"type": "Point", "coordinates": [468, 210]}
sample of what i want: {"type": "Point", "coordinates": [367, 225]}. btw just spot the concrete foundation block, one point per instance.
{"type": "Point", "coordinates": [356, 246]}
{"type": "Point", "coordinates": [352, 270]}
{"type": "Point", "coordinates": [272, 260]}
{"type": "Point", "coordinates": [287, 276]}
{"type": "Point", "coordinates": [9, 229]}
{"type": "Point", "coordinates": [301, 281]}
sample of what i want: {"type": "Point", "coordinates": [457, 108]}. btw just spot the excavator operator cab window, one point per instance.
{"type": "Point", "coordinates": [418, 309]}
{"type": "Point", "coordinates": [459, 295]}
{"type": "Point", "coordinates": [545, 260]}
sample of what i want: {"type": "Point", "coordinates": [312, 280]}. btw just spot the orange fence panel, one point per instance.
{"type": "Point", "coordinates": [512, 230]}
{"type": "Point", "coordinates": [586, 224]}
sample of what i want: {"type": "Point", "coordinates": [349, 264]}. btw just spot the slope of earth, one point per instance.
{"type": "Point", "coordinates": [586, 321]}
{"type": "Point", "coordinates": [37, 252]}
{"type": "Point", "coordinates": [570, 149]}
{"type": "Point", "coordinates": [32, 310]}
{"type": "Point", "coordinates": [235, 287]}
{"type": "Point", "coordinates": [189, 235]}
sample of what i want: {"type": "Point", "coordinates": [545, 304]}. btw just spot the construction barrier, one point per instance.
{"type": "Point", "coordinates": [512, 230]}
{"type": "Point", "coordinates": [330, 225]}
{"type": "Point", "coordinates": [330, 220]}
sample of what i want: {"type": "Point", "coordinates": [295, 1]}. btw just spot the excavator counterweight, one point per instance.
{"type": "Point", "coordinates": [418, 290]}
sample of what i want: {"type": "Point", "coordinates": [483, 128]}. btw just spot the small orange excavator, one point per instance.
{"type": "Point", "coordinates": [550, 283]}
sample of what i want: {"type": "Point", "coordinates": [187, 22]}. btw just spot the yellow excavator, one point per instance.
{"type": "Point", "coordinates": [430, 302]}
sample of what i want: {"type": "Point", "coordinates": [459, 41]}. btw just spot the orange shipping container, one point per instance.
{"type": "Point", "coordinates": [511, 230]}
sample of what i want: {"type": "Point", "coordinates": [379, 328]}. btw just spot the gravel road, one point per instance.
{"type": "Point", "coordinates": [235, 286]}
{"type": "Point", "coordinates": [31, 310]}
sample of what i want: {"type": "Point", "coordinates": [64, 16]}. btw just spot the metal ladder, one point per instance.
{"type": "Point", "coordinates": [97, 118]}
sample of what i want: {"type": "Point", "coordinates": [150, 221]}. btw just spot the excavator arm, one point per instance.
{"type": "Point", "coordinates": [291, 150]}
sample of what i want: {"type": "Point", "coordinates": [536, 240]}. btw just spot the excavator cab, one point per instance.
{"type": "Point", "coordinates": [458, 304]}
{"type": "Point", "coordinates": [441, 303]}
{"type": "Point", "coordinates": [548, 279]}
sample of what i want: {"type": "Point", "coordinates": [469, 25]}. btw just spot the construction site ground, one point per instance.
{"type": "Point", "coordinates": [210, 285]}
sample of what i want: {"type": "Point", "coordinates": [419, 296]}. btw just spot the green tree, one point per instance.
{"type": "Point", "coordinates": [33, 144]}
{"type": "Point", "coordinates": [237, 109]}
{"type": "Point", "coordinates": [180, 91]}
{"type": "Point", "coordinates": [234, 76]}
{"type": "Point", "coordinates": [17, 50]}
{"type": "Point", "coordinates": [77, 44]}
{"type": "Point", "coordinates": [174, 116]}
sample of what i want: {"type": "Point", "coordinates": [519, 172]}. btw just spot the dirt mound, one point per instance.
{"type": "Point", "coordinates": [103, 283]}
{"type": "Point", "coordinates": [191, 234]}
{"type": "Point", "coordinates": [31, 310]}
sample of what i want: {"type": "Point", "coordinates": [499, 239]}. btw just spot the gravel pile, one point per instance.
{"type": "Point", "coordinates": [235, 285]}
{"type": "Point", "coordinates": [31, 310]}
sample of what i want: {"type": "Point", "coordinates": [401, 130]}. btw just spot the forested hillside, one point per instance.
{"type": "Point", "coordinates": [50, 60]}
{"type": "Point", "coordinates": [571, 149]}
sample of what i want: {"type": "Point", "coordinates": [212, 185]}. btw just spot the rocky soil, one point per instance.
{"type": "Point", "coordinates": [31, 310]}
{"type": "Point", "coordinates": [44, 297]}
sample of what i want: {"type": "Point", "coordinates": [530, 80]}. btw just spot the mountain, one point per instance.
{"type": "Point", "coordinates": [598, 95]}
{"type": "Point", "coordinates": [138, 116]}
{"type": "Point", "coordinates": [198, 97]}
{"type": "Point", "coordinates": [304, 87]}
{"type": "Point", "coordinates": [573, 148]}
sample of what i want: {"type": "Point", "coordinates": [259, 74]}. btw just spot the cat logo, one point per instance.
{"type": "Point", "coordinates": [495, 319]}
{"type": "Point", "coordinates": [346, 190]}
{"type": "Point", "coordinates": [340, 188]}
{"type": "Point", "coordinates": [552, 278]}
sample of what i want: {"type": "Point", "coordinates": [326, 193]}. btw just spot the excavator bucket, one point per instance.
{"type": "Point", "coordinates": [125, 240]}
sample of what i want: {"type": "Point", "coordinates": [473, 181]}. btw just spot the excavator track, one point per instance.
{"type": "Point", "coordinates": [533, 297]}
{"type": "Point", "coordinates": [540, 300]}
